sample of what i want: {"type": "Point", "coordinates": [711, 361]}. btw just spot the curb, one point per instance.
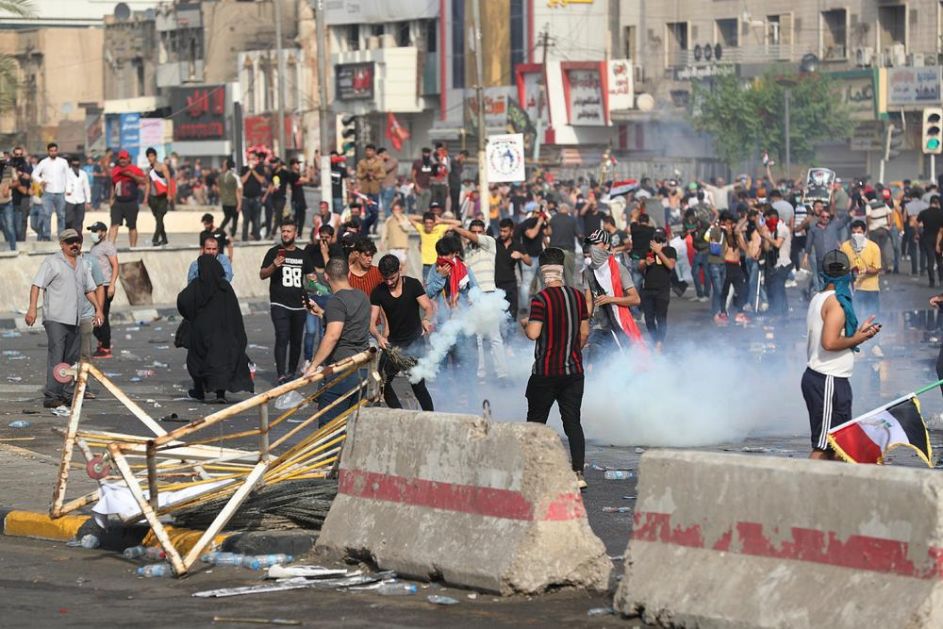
{"type": "Point", "coordinates": [18, 523]}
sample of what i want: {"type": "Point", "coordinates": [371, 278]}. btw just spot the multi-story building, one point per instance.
{"type": "Point", "coordinates": [884, 54]}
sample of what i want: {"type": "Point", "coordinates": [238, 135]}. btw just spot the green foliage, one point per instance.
{"type": "Point", "coordinates": [17, 8]}
{"type": "Point", "coordinates": [742, 117]}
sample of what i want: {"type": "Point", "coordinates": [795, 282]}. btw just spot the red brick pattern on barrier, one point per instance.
{"type": "Point", "coordinates": [858, 552]}
{"type": "Point", "coordinates": [483, 501]}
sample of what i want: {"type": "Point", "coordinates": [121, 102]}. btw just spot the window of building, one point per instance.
{"type": "Point", "coordinates": [458, 44]}
{"type": "Point", "coordinates": [432, 36]}
{"type": "Point", "coordinates": [518, 42]}
{"type": "Point", "coordinates": [773, 30]}
{"type": "Point", "coordinates": [834, 34]}
{"type": "Point", "coordinates": [892, 25]}
{"type": "Point", "coordinates": [728, 32]}
{"type": "Point", "coordinates": [353, 37]}
{"type": "Point", "coordinates": [676, 43]}
{"type": "Point", "coordinates": [631, 41]}
{"type": "Point", "coordinates": [403, 36]}
{"type": "Point", "coordinates": [377, 30]}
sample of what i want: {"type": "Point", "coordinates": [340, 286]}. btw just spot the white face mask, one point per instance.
{"type": "Point", "coordinates": [95, 236]}
{"type": "Point", "coordinates": [858, 240]}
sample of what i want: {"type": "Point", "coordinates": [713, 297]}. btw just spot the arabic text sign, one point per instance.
{"type": "Point", "coordinates": [620, 84]}
{"type": "Point", "coordinates": [858, 96]}
{"type": "Point", "coordinates": [505, 157]}
{"type": "Point", "coordinates": [585, 94]}
{"type": "Point", "coordinates": [913, 86]}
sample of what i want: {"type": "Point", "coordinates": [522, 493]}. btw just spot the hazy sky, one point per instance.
{"type": "Point", "coordinates": [84, 9]}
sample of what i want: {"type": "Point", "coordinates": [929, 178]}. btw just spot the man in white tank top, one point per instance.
{"type": "Point", "coordinates": [833, 338]}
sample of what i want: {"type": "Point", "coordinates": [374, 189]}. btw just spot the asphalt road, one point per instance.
{"type": "Point", "coordinates": [46, 584]}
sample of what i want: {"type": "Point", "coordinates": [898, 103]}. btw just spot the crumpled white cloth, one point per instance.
{"type": "Point", "coordinates": [116, 499]}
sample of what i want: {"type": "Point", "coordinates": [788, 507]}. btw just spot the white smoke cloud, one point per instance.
{"type": "Point", "coordinates": [486, 312]}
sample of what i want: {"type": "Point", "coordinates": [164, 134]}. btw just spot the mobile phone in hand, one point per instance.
{"type": "Point", "coordinates": [281, 253]}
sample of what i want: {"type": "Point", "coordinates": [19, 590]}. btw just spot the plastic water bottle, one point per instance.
{"type": "Point", "coordinates": [617, 509]}
{"type": "Point", "coordinates": [19, 423]}
{"type": "Point", "coordinates": [438, 599]}
{"type": "Point", "coordinates": [396, 588]}
{"type": "Point", "coordinates": [155, 570]}
{"type": "Point", "coordinates": [618, 474]}
{"type": "Point", "coordinates": [265, 561]}
{"type": "Point", "coordinates": [224, 559]}
{"type": "Point", "coordinates": [90, 541]}
{"type": "Point", "coordinates": [147, 552]}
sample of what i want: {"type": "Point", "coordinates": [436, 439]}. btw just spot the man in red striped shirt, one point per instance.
{"type": "Point", "coordinates": [559, 323]}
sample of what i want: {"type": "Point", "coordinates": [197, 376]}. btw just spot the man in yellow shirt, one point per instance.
{"type": "Point", "coordinates": [865, 256]}
{"type": "Point", "coordinates": [431, 228]}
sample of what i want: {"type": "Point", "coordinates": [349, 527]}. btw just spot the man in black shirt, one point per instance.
{"type": "Point", "coordinates": [509, 252]}
{"type": "Point", "coordinates": [22, 198]}
{"type": "Point", "coordinates": [530, 234]}
{"type": "Point", "coordinates": [931, 223]}
{"type": "Point", "coordinates": [297, 182]}
{"type": "Point", "coordinates": [657, 268]}
{"type": "Point", "coordinates": [285, 266]}
{"type": "Point", "coordinates": [400, 297]}
{"type": "Point", "coordinates": [253, 185]}
{"type": "Point", "coordinates": [209, 229]}
{"type": "Point", "coordinates": [455, 181]}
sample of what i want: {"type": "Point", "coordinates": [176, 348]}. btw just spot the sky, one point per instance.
{"type": "Point", "coordinates": [83, 9]}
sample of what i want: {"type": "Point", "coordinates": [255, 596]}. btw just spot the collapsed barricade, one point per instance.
{"type": "Point", "coordinates": [152, 477]}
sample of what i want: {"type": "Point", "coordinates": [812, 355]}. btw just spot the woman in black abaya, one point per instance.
{"type": "Point", "coordinates": [216, 338]}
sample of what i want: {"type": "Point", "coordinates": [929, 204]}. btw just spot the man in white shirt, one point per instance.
{"type": "Point", "coordinates": [52, 173]}
{"type": "Point", "coordinates": [78, 195]}
{"type": "Point", "coordinates": [480, 257]}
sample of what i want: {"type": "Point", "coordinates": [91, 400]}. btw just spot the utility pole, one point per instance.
{"type": "Point", "coordinates": [325, 165]}
{"type": "Point", "coordinates": [484, 196]}
{"type": "Point", "coordinates": [280, 110]}
{"type": "Point", "coordinates": [787, 96]}
{"type": "Point", "coordinates": [542, 97]}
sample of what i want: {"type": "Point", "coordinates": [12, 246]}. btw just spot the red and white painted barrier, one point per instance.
{"type": "Point", "coordinates": [471, 502]}
{"type": "Point", "coordinates": [770, 542]}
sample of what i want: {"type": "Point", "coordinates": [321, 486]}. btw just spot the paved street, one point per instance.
{"type": "Point", "coordinates": [47, 582]}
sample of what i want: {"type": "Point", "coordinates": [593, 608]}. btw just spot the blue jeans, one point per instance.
{"type": "Point", "coordinates": [337, 391]}
{"type": "Point", "coordinates": [386, 200]}
{"type": "Point", "coordinates": [7, 225]}
{"type": "Point", "coordinates": [372, 212]}
{"type": "Point", "coordinates": [776, 287]}
{"type": "Point", "coordinates": [753, 283]}
{"type": "Point", "coordinates": [718, 273]}
{"type": "Point", "coordinates": [54, 201]}
{"type": "Point", "coordinates": [314, 329]}
{"type": "Point", "coordinates": [38, 221]}
{"type": "Point", "coordinates": [700, 264]}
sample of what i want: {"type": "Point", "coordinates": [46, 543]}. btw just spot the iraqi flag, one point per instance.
{"type": "Point", "coordinates": [623, 187]}
{"type": "Point", "coordinates": [868, 438]}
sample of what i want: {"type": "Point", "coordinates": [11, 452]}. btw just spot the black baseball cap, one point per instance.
{"type": "Point", "coordinates": [836, 264]}
{"type": "Point", "coordinates": [97, 227]}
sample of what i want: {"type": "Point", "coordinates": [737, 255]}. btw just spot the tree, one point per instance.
{"type": "Point", "coordinates": [9, 81]}
{"type": "Point", "coordinates": [742, 117]}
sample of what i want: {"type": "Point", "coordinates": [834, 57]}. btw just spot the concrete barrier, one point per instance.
{"type": "Point", "coordinates": [474, 503]}
{"type": "Point", "coordinates": [745, 541]}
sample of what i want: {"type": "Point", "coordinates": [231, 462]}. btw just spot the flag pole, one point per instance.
{"type": "Point", "coordinates": [889, 404]}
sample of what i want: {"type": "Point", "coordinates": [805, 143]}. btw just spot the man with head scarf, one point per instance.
{"type": "Point", "coordinates": [610, 292]}
{"type": "Point", "coordinates": [215, 335]}
{"type": "Point", "coordinates": [559, 323]}
{"type": "Point", "coordinates": [833, 338]}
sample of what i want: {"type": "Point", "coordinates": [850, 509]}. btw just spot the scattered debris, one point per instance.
{"type": "Point", "coordinates": [619, 474]}
{"type": "Point", "coordinates": [256, 621]}
{"type": "Point", "coordinates": [617, 509]}
{"type": "Point", "coordinates": [61, 411]}
{"type": "Point", "coordinates": [629, 497]}
{"type": "Point", "coordinates": [438, 599]}
{"type": "Point", "coordinates": [639, 450]}
{"type": "Point", "coordinates": [295, 583]}
{"type": "Point", "coordinates": [88, 541]}
{"type": "Point", "coordinates": [19, 423]}
{"type": "Point", "coordinates": [172, 418]}
{"type": "Point", "coordinates": [601, 611]}
{"type": "Point", "coordinates": [155, 570]}
{"type": "Point", "coordinates": [473, 595]}
{"type": "Point", "coordinates": [14, 379]}
{"type": "Point", "coordinates": [317, 572]}
{"type": "Point", "coordinates": [397, 588]}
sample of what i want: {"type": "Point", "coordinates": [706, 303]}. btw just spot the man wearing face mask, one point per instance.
{"type": "Point", "coordinates": [823, 234]}
{"type": "Point", "coordinates": [65, 283]}
{"type": "Point", "coordinates": [610, 293]}
{"type": "Point", "coordinates": [833, 338]}
{"type": "Point", "coordinates": [865, 256]}
{"type": "Point", "coordinates": [106, 253]}
{"type": "Point", "coordinates": [657, 269]}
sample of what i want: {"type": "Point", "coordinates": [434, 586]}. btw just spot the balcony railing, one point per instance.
{"type": "Point", "coordinates": [740, 54]}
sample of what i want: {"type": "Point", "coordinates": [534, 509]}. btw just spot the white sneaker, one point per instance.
{"type": "Point", "coordinates": [791, 284]}
{"type": "Point", "coordinates": [764, 307]}
{"type": "Point", "coordinates": [693, 298]}
{"type": "Point", "coordinates": [877, 352]}
{"type": "Point", "coordinates": [703, 300]}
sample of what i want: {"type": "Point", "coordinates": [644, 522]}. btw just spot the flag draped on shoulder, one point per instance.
{"type": "Point", "coordinates": [868, 438]}
{"type": "Point", "coordinates": [609, 278]}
